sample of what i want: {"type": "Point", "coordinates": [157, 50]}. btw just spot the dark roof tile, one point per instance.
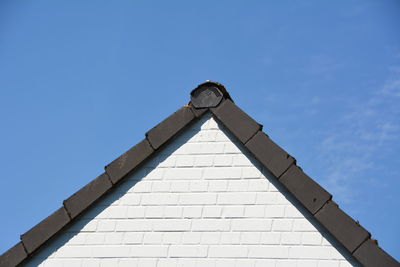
{"type": "Point", "coordinates": [128, 161]}
{"type": "Point", "coordinates": [236, 120]}
{"type": "Point", "coordinates": [370, 255]}
{"type": "Point", "coordinates": [274, 158]}
{"type": "Point", "coordinates": [305, 189]}
{"type": "Point", "coordinates": [88, 194]}
{"type": "Point", "coordinates": [13, 256]}
{"type": "Point", "coordinates": [169, 127]}
{"type": "Point", "coordinates": [347, 231]}
{"type": "Point", "coordinates": [44, 230]}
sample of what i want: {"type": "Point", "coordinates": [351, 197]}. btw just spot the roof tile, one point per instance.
{"type": "Point", "coordinates": [347, 231]}
{"type": "Point", "coordinates": [370, 255]}
{"type": "Point", "coordinates": [128, 161]}
{"type": "Point", "coordinates": [44, 230]}
{"type": "Point", "coordinates": [305, 189]}
{"type": "Point", "coordinates": [88, 194]}
{"type": "Point", "coordinates": [273, 157]}
{"type": "Point", "coordinates": [236, 120]}
{"type": "Point", "coordinates": [169, 127]}
{"type": "Point", "coordinates": [13, 256]}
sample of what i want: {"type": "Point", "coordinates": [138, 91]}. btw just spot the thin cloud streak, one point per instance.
{"type": "Point", "coordinates": [350, 148]}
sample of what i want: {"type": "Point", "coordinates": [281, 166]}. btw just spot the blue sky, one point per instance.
{"type": "Point", "coordinates": [82, 81]}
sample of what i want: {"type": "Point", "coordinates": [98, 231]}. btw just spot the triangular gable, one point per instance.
{"type": "Point", "coordinates": [211, 97]}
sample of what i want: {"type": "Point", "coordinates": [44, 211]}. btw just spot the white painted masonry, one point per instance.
{"type": "Point", "coordinates": [200, 202]}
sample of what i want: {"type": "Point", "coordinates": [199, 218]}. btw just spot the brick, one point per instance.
{"type": "Point", "coordinates": [309, 252]}
{"type": "Point", "coordinates": [313, 238]}
{"type": "Point", "coordinates": [183, 174]}
{"type": "Point", "coordinates": [233, 212]}
{"type": "Point", "coordinates": [349, 233]}
{"type": "Point", "coordinates": [169, 127]}
{"type": "Point", "coordinates": [128, 161]}
{"type": "Point", "coordinates": [133, 238]}
{"type": "Point", "coordinates": [74, 252]}
{"type": "Point", "coordinates": [250, 173]}
{"type": "Point", "coordinates": [142, 187]}
{"type": "Point", "coordinates": [238, 186]}
{"type": "Point", "coordinates": [251, 225]}
{"type": "Point", "coordinates": [270, 238]}
{"type": "Point", "coordinates": [154, 212]}
{"type": "Point", "coordinates": [222, 160]}
{"type": "Point", "coordinates": [236, 198]}
{"type": "Point", "coordinates": [274, 211]}
{"type": "Point", "coordinates": [274, 158]}
{"type": "Point", "coordinates": [225, 251]}
{"type": "Point", "coordinates": [199, 186]}
{"type": "Point", "coordinates": [305, 189]}
{"type": "Point", "coordinates": [282, 225]}
{"type": "Point", "coordinates": [44, 230]}
{"type": "Point", "coordinates": [210, 225]}
{"type": "Point", "coordinates": [370, 254]}
{"type": "Point", "coordinates": [152, 238]}
{"type": "Point", "coordinates": [130, 200]}
{"type": "Point", "coordinates": [268, 263]}
{"type": "Point", "coordinates": [172, 238]}
{"type": "Point", "coordinates": [258, 185]}
{"type": "Point", "coordinates": [236, 120]}
{"type": "Point", "coordinates": [203, 161]}
{"type": "Point", "coordinates": [222, 173]}
{"type": "Point", "coordinates": [88, 194]}
{"type": "Point", "coordinates": [217, 185]}
{"type": "Point", "coordinates": [191, 238]}
{"type": "Point", "coordinates": [13, 256]}
{"type": "Point", "coordinates": [212, 211]}
{"type": "Point", "coordinates": [241, 160]}
{"type": "Point", "coordinates": [110, 251]}
{"type": "Point", "coordinates": [192, 212]}
{"type": "Point", "coordinates": [268, 252]}
{"type": "Point", "coordinates": [94, 238]}
{"type": "Point", "coordinates": [172, 225]}
{"type": "Point", "coordinates": [210, 238]}
{"type": "Point", "coordinates": [197, 198]}
{"type": "Point", "coordinates": [155, 174]}
{"type": "Point", "coordinates": [149, 251]}
{"type": "Point", "coordinates": [191, 251]}
{"type": "Point", "coordinates": [185, 161]}
{"type": "Point", "coordinates": [134, 225]}
{"type": "Point", "coordinates": [266, 198]}
{"type": "Point", "coordinates": [106, 225]}
{"type": "Point", "coordinates": [180, 186]}
{"type": "Point", "coordinates": [159, 199]}
{"type": "Point", "coordinates": [250, 238]}
{"type": "Point", "coordinates": [173, 212]}
{"type": "Point", "coordinates": [254, 211]}
{"type": "Point", "coordinates": [303, 225]}
{"type": "Point", "coordinates": [113, 238]}
{"type": "Point", "coordinates": [292, 238]}
{"type": "Point", "coordinates": [230, 238]}
{"type": "Point", "coordinates": [117, 212]}
{"type": "Point", "coordinates": [135, 212]}
{"type": "Point", "coordinates": [161, 186]}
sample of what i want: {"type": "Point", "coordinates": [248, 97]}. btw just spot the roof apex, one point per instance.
{"type": "Point", "coordinates": [208, 94]}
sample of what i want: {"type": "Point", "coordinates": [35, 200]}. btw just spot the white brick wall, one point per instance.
{"type": "Point", "coordinates": [200, 202]}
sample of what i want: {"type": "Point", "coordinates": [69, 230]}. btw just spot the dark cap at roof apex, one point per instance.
{"type": "Point", "coordinates": [208, 95]}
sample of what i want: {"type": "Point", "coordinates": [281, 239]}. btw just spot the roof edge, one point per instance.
{"type": "Point", "coordinates": [352, 236]}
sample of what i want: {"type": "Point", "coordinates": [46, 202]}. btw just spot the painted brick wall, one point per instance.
{"type": "Point", "coordinates": [200, 202]}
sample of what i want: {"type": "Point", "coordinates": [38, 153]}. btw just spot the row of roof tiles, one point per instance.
{"type": "Point", "coordinates": [352, 236]}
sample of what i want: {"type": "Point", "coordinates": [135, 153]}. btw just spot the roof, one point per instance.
{"type": "Point", "coordinates": [211, 97]}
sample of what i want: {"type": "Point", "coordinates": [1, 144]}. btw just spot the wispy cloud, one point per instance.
{"type": "Point", "coordinates": [350, 146]}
